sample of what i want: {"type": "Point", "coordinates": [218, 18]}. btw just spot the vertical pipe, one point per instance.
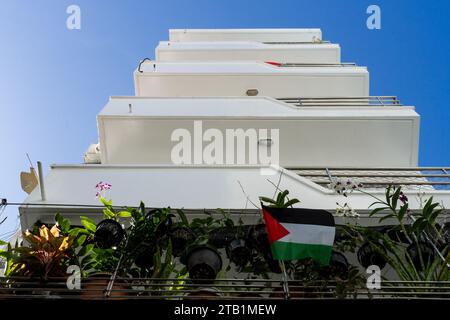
{"type": "Point", "coordinates": [41, 181]}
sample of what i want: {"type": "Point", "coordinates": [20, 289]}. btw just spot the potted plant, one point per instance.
{"type": "Point", "coordinates": [109, 233]}
{"type": "Point", "coordinates": [202, 260]}
{"type": "Point", "coordinates": [368, 256]}
{"type": "Point", "coordinates": [203, 263]}
{"type": "Point", "coordinates": [413, 249]}
{"type": "Point", "coordinates": [238, 252]}
{"type": "Point", "coordinates": [96, 259]}
{"type": "Point", "coordinates": [40, 265]}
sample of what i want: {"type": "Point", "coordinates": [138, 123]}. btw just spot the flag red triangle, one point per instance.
{"type": "Point", "coordinates": [275, 230]}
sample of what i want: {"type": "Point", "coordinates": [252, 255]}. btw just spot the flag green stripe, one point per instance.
{"type": "Point", "coordinates": [295, 251]}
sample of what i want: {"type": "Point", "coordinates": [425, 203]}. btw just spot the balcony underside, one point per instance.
{"type": "Point", "coordinates": [70, 189]}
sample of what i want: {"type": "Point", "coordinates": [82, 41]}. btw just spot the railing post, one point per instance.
{"type": "Point", "coordinates": [329, 175]}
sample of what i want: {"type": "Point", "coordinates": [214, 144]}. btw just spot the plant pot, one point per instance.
{"type": "Point", "coordinates": [339, 263]}
{"type": "Point", "coordinates": [203, 263]}
{"type": "Point", "coordinates": [446, 232]}
{"type": "Point", "coordinates": [4, 288]}
{"type": "Point", "coordinates": [144, 257]}
{"type": "Point", "coordinates": [204, 293]}
{"type": "Point", "coordinates": [258, 239]}
{"type": "Point", "coordinates": [343, 233]}
{"type": "Point", "coordinates": [397, 235]}
{"type": "Point", "coordinates": [367, 256]}
{"type": "Point", "coordinates": [444, 240]}
{"type": "Point", "coordinates": [221, 237]}
{"type": "Point", "coordinates": [109, 234]}
{"type": "Point", "coordinates": [421, 248]}
{"type": "Point", "coordinates": [237, 252]}
{"type": "Point", "coordinates": [180, 238]}
{"type": "Point", "coordinates": [95, 287]}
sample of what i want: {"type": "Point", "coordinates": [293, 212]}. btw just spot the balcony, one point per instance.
{"type": "Point", "coordinates": [320, 131]}
{"type": "Point", "coordinates": [260, 35]}
{"type": "Point", "coordinates": [69, 189]}
{"type": "Point", "coordinates": [118, 260]}
{"type": "Point", "coordinates": [224, 289]}
{"type": "Point", "coordinates": [238, 79]}
{"type": "Point", "coordinates": [321, 53]}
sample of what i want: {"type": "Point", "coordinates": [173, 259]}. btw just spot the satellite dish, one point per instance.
{"type": "Point", "coordinates": [28, 180]}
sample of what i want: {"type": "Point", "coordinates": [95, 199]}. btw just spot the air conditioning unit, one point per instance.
{"type": "Point", "coordinates": [93, 154]}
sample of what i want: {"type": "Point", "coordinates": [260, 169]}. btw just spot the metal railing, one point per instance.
{"type": "Point", "coordinates": [217, 289]}
{"type": "Point", "coordinates": [369, 101]}
{"type": "Point", "coordinates": [294, 65]}
{"type": "Point", "coordinates": [414, 177]}
{"type": "Point", "coordinates": [299, 42]}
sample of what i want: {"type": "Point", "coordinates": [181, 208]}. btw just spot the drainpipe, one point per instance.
{"type": "Point", "coordinates": [41, 181]}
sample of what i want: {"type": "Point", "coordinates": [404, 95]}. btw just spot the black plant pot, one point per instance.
{"type": "Point", "coordinates": [339, 262]}
{"type": "Point", "coordinates": [203, 263]}
{"type": "Point", "coordinates": [109, 234]}
{"type": "Point", "coordinates": [165, 226]}
{"type": "Point", "coordinates": [257, 238]}
{"type": "Point", "coordinates": [343, 233]}
{"type": "Point", "coordinates": [237, 252]}
{"type": "Point", "coordinates": [144, 257]}
{"type": "Point", "coordinates": [367, 256]}
{"type": "Point", "coordinates": [221, 237]}
{"type": "Point", "coordinates": [421, 248]}
{"type": "Point", "coordinates": [395, 233]}
{"type": "Point", "coordinates": [446, 232]}
{"type": "Point", "coordinates": [181, 237]}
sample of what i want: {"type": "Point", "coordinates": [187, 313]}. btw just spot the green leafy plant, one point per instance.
{"type": "Point", "coordinates": [281, 200]}
{"type": "Point", "coordinates": [418, 228]}
{"type": "Point", "coordinates": [326, 281]}
{"type": "Point", "coordinates": [147, 236]}
{"type": "Point", "coordinates": [45, 256]}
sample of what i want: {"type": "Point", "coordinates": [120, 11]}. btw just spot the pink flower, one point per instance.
{"type": "Point", "coordinates": [102, 186]}
{"type": "Point", "coordinates": [403, 198]}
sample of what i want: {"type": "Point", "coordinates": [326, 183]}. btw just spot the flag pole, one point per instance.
{"type": "Point", "coordinates": [285, 280]}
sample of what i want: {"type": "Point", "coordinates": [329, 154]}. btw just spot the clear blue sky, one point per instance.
{"type": "Point", "coordinates": [53, 81]}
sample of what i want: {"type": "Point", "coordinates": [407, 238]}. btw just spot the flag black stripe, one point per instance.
{"type": "Point", "coordinates": [301, 216]}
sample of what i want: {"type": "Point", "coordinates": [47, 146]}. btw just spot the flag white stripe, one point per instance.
{"type": "Point", "coordinates": [309, 234]}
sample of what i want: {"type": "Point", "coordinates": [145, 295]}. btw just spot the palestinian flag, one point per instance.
{"type": "Point", "coordinates": [296, 233]}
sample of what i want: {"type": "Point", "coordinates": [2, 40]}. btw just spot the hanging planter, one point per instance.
{"type": "Point", "coordinates": [444, 240]}
{"type": "Point", "coordinates": [397, 235]}
{"type": "Point", "coordinates": [221, 237]}
{"type": "Point", "coordinates": [446, 232]}
{"type": "Point", "coordinates": [144, 257]}
{"type": "Point", "coordinates": [257, 238]}
{"type": "Point", "coordinates": [419, 252]}
{"type": "Point", "coordinates": [339, 262]}
{"type": "Point", "coordinates": [109, 234]}
{"type": "Point", "coordinates": [368, 256]}
{"type": "Point", "coordinates": [203, 263]}
{"type": "Point", "coordinates": [181, 237]}
{"type": "Point", "coordinates": [238, 252]}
